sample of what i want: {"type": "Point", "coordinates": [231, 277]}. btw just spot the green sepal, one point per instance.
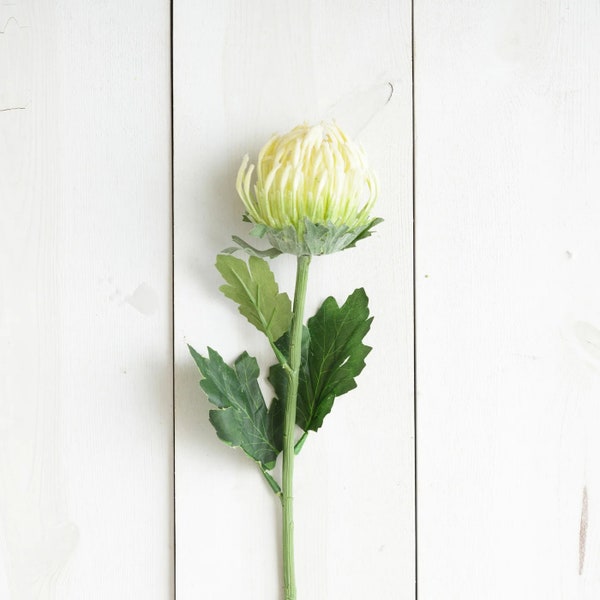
{"type": "Point", "coordinates": [252, 286]}
{"type": "Point", "coordinates": [365, 233]}
{"type": "Point", "coordinates": [333, 355]}
{"type": "Point", "coordinates": [251, 250]}
{"type": "Point", "coordinates": [314, 239]}
{"type": "Point", "coordinates": [241, 418]}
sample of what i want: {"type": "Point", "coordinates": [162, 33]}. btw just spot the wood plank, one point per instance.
{"type": "Point", "coordinates": [508, 299]}
{"type": "Point", "coordinates": [243, 71]}
{"type": "Point", "coordinates": [85, 308]}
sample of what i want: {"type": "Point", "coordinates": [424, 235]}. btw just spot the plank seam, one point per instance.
{"type": "Point", "coordinates": [414, 282]}
{"type": "Point", "coordinates": [173, 423]}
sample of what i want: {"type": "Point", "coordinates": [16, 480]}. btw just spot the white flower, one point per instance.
{"type": "Point", "coordinates": [313, 173]}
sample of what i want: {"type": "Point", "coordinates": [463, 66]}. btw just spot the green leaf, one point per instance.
{"type": "Point", "coordinates": [336, 354]}
{"type": "Point", "coordinates": [241, 418]}
{"type": "Point", "coordinates": [253, 287]}
{"type": "Point", "coordinates": [333, 355]}
{"type": "Point", "coordinates": [275, 418]}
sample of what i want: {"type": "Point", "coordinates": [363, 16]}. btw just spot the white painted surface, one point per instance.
{"type": "Point", "coordinates": [508, 299]}
{"type": "Point", "coordinates": [85, 308]}
{"type": "Point", "coordinates": [244, 70]}
{"type": "Point", "coordinates": [508, 317]}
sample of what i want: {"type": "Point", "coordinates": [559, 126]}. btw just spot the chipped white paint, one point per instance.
{"type": "Point", "coordinates": [243, 71]}
{"type": "Point", "coordinates": [587, 337]}
{"type": "Point", "coordinates": [359, 107]}
{"type": "Point", "coordinates": [85, 402]}
{"type": "Point", "coordinates": [508, 299]}
{"type": "Point", "coordinates": [143, 299]}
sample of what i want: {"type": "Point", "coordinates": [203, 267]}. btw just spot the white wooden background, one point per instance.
{"type": "Point", "coordinates": [244, 70]}
{"type": "Point", "coordinates": [96, 308]}
{"type": "Point", "coordinates": [85, 301]}
{"type": "Point", "coordinates": [508, 298]}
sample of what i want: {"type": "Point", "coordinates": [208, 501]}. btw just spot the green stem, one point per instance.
{"type": "Point", "coordinates": [289, 577]}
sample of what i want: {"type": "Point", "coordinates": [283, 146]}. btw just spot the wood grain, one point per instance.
{"type": "Point", "coordinates": [508, 299]}
{"type": "Point", "coordinates": [244, 70]}
{"type": "Point", "coordinates": [508, 321]}
{"type": "Point", "coordinates": [85, 308]}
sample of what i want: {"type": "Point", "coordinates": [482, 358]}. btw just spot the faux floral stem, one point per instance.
{"type": "Point", "coordinates": [289, 576]}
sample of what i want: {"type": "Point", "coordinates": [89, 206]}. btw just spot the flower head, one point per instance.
{"type": "Point", "coordinates": [311, 181]}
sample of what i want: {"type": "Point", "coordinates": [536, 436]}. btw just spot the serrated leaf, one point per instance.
{"type": "Point", "coordinates": [241, 418]}
{"type": "Point", "coordinates": [333, 355]}
{"type": "Point", "coordinates": [252, 286]}
{"type": "Point", "coordinates": [337, 354]}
